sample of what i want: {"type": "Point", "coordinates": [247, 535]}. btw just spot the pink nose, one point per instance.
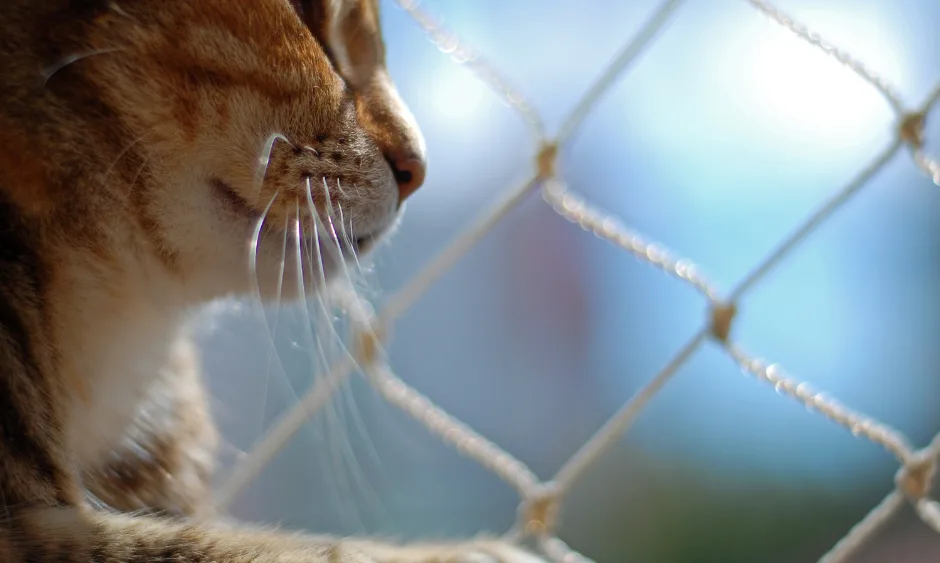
{"type": "Point", "coordinates": [409, 174]}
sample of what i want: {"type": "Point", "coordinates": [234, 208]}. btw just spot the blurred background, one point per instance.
{"type": "Point", "coordinates": [718, 142]}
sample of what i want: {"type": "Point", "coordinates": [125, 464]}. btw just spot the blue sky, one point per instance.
{"type": "Point", "coordinates": [723, 137]}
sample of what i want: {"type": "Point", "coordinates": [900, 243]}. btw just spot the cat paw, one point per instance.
{"type": "Point", "coordinates": [497, 552]}
{"type": "Point", "coordinates": [487, 551]}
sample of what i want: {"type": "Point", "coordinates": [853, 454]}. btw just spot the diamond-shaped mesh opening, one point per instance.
{"type": "Point", "coordinates": [543, 500]}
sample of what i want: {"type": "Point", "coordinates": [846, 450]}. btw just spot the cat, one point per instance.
{"type": "Point", "coordinates": [141, 143]}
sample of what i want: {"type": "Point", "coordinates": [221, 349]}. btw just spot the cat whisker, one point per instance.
{"type": "Point", "coordinates": [338, 243]}
{"type": "Point", "coordinates": [339, 186]}
{"type": "Point", "coordinates": [362, 481]}
{"type": "Point", "coordinates": [280, 276]}
{"type": "Point", "coordinates": [277, 317]}
{"type": "Point", "coordinates": [352, 298]}
{"type": "Point", "coordinates": [321, 362]}
{"type": "Point", "coordinates": [345, 241]}
{"type": "Point", "coordinates": [48, 72]}
{"type": "Point", "coordinates": [253, 245]}
{"type": "Point", "coordinates": [298, 257]}
{"type": "Point", "coordinates": [350, 284]}
{"type": "Point", "coordinates": [121, 154]}
{"type": "Point", "coordinates": [348, 278]}
{"type": "Point", "coordinates": [329, 219]}
{"type": "Point", "coordinates": [358, 190]}
{"type": "Point", "coordinates": [253, 250]}
{"type": "Point", "coordinates": [312, 210]}
{"type": "Point", "coordinates": [347, 238]}
{"type": "Point", "coordinates": [345, 244]}
{"type": "Point", "coordinates": [264, 159]}
{"type": "Point", "coordinates": [120, 11]}
{"type": "Point", "coordinates": [256, 292]}
{"type": "Point", "coordinates": [317, 247]}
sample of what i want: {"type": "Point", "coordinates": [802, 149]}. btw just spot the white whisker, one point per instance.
{"type": "Point", "coordinates": [359, 476]}
{"type": "Point", "coordinates": [339, 186]}
{"type": "Point", "coordinates": [272, 331]}
{"type": "Point", "coordinates": [253, 248]}
{"type": "Point", "coordinates": [48, 72]}
{"type": "Point", "coordinates": [329, 220]}
{"type": "Point", "coordinates": [258, 300]}
{"type": "Point", "coordinates": [319, 360]}
{"type": "Point", "coordinates": [339, 449]}
{"type": "Point", "coordinates": [303, 292]}
{"type": "Point", "coordinates": [335, 238]}
{"type": "Point", "coordinates": [348, 237]}
{"type": "Point", "coordinates": [354, 300]}
{"type": "Point", "coordinates": [121, 154]}
{"type": "Point", "coordinates": [280, 276]}
{"type": "Point", "coordinates": [140, 171]}
{"type": "Point", "coordinates": [264, 159]}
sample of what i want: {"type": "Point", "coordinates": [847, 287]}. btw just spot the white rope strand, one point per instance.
{"type": "Point", "coordinates": [575, 209]}
{"type": "Point", "coordinates": [858, 424]}
{"type": "Point", "coordinates": [256, 460]}
{"type": "Point", "coordinates": [620, 422]}
{"type": "Point", "coordinates": [814, 39]}
{"type": "Point", "coordinates": [448, 42]}
{"type": "Point", "coordinates": [542, 501]}
{"type": "Point", "coordinates": [816, 219]}
{"type": "Point", "coordinates": [865, 529]}
{"type": "Point", "coordinates": [630, 52]}
{"type": "Point", "coordinates": [444, 261]}
{"type": "Point", "coordinates": [452, 431]}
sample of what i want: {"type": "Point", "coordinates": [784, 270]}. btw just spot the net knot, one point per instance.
{"type": "Point", "coordinates": [368, 331]}
{"type": "Point", "coordinates": [911, 129]}
{"type": "Point", "coordinates": [369, 345]}
{"type": "Point", "coordinates": [546, 159]}
{"type": "Point", "coordinates": [722, 317]}
{"type": "Point", "coordinates": [538, 513]}
{"type": "Point", "coordinates": [915, 477]}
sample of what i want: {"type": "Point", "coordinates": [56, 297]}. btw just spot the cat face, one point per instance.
{"type": "Point", "coordinates": [273, 110]}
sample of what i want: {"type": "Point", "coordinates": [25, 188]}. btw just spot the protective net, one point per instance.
{"type": "Point", "coordinates": [541, 501]}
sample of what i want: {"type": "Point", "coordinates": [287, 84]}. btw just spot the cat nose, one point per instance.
{"type": "Point", "coordinates": [409, 171]}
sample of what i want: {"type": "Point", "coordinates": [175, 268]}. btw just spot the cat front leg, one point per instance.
{"type": "Point", "coordinates": [165, 461]}
{"type": "Point", "coordinates": [72, 535]}
{"type": "Point", "coordinates": [490, 550]}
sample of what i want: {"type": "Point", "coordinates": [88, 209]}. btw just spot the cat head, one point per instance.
{"type": "Point", "coordinates": [234, 112]}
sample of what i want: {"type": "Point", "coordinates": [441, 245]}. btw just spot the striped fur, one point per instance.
{"type": "Point", "coordinates": [130, 136]}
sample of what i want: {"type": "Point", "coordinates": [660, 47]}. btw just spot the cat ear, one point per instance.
{"type": "Point", "coordinates": [350, 34]}
{"type": "Point", "coordinates": [355, 34]}
{"type": "Point", "coordinates": [315, 16]}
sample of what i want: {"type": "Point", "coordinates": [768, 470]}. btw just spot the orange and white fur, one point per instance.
{"type": "Point", "coordinates": [141, 143]}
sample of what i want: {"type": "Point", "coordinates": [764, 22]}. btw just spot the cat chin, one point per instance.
{"type": "Point", "coordinates": [279, 272]}
{"type": "Point", "coordinates": [227, 250]}
{"type": "Point", "coordinates": [271, 287]}
{"type": "Point", "coordinates": [235, 207]}
{"type": "Point", "coordinates": [267, 284]}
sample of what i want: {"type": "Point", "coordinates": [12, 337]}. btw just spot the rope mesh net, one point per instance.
{"type": "Point", "coordinates": [542, 500]}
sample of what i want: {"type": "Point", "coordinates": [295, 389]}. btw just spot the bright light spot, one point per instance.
{"type": "Point", "coordinates": [757, 96]}
{"type": "Point", "coordinates": [456, 97]}
{"type": "Point", "coordinates": [796, 88]}
{"type": "Point", "coordinates": [465, 117]}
